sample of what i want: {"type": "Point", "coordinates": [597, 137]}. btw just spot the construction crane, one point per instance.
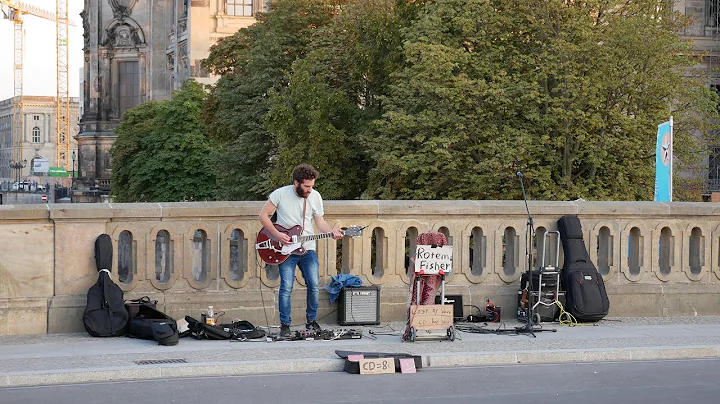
{"type": "Point", "coordinates": [14, 11]}
{"type": "Point", "coordinates": [63, 98]}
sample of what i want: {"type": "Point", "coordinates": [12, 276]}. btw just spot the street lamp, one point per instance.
{"type": "Point", "coordinates": [17, 166]}
{"type": "Point", "coordinates": [72, 183]}
{"type": "Point", "coordinates": [73, 156]}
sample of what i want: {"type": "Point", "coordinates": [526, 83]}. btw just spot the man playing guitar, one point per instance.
{"type": "Point", "coordinates": [298, 204]}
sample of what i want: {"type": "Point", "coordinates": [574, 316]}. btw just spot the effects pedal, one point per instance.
{"type": "Point", "coordinates": [492, 313]}
{"type": "Point", "coordinates": [323, 335]}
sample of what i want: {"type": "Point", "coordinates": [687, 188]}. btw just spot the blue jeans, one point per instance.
{"type": "Point", "coordinates": [310, 269]}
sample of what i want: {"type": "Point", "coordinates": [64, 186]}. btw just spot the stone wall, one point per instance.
{"type": "Point", "coordinates": [656, 258]}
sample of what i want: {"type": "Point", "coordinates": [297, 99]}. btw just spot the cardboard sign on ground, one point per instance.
{"type": "Point", "coordinates": [377, 366]}
{"type": "Point", "coordinates": [407, 365]}
{"type": "Point", "coordinates": [431, 316]}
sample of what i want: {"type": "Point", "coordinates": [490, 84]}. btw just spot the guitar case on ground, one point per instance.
{"type": "Point", "coordinates": [585, 295]}
{"type": "Point", "coordinates": [105, 314]}
{"type": "Point", "coordinates": [200, 330]}
{"type": "Point", "coordinates": [150, 323]}
{"type": "Point", "coordinates": [237, 330]}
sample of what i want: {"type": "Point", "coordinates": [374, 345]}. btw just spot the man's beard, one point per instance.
{"type": "Point", "coordinates": [299, 191]}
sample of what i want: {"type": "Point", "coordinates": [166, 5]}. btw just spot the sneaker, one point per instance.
{"type": "Point", "coordinates": [313, 326]}
{"type": "Point", "coordinates": [285, 330]}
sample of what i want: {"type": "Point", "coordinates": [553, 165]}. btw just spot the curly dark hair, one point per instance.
{"type": "Point", "coordinates": [304, 172]}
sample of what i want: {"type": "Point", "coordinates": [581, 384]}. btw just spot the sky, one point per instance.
{"type": "Point", "coordinates": [40, 56]}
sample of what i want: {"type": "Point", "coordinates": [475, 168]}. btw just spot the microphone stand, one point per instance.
{"type": "Point", "coordinates": [529, 327]}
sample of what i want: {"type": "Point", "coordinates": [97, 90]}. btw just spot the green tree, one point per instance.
{"type": "Point", "coordinates": [334, 92]}
{"type": "Point", "coordinates": [162, 153]}
{"type": "Point", "coordinates": [568, 92]}
{"type": "Point", "coordinates": [252, 63]}
{"type": "Point", "coordinates": [314, 123]}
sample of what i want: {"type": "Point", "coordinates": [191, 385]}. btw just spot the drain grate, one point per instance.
{"type": "Point", "coordinates": [160, 361]}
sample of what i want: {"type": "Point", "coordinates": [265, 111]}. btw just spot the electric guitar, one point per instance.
{"type": "Point", "coordinates": [274, 252]}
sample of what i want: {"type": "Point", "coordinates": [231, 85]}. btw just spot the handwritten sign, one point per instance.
{"type": "Point", "coordinates": [431, 316]}
{"type": "Point", "coordinates": [431, 260]}
{"type": "Point", "coordinates": [407, 365]}
{"type": "Point", "coordinates": [377, 366]}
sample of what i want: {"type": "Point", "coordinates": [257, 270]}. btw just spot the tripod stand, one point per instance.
{"type": "Point", "coordinates": [529, 327]}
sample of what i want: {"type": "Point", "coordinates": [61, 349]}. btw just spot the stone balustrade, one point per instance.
{"type": "Point", "coordinates": [658, 259]}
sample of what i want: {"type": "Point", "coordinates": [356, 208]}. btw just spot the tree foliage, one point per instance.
{"type": "Point", "coordinates": [333, 93]}
{"type": "Point", "coordinates": [254, 62]}
{"type": "Point", "coordinates": [568, 92]}
{"type": "Point", "coordinates": [162, 152]}
{"type": "Point", "coordinates": [433, 99]}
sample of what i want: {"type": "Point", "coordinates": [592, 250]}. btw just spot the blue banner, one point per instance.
{"type": "Point", "coordinates": [663, 163]}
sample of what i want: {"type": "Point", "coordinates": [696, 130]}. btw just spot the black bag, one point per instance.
{"type": "Point", "coordinates": [150, 323]}
{"type": "Point", "coordinates": [133, 305]}
{"type": "Point", "coordinates": [243, 330]}
{"type": "Point", "coordinates": [240, 330]}
{"type": "Point", "coordinates": [105, 314]}
{"type": "Point", "coordinates": [200, 330]}
{"type": "Point", "coordinates": [585, 295]}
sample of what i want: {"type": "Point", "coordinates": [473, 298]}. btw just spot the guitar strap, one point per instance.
{"type": "Point", "coordinates": [302, 228]}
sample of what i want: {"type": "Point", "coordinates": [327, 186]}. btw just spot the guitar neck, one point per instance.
{"type": "Point", "coordinates": [302, 239]}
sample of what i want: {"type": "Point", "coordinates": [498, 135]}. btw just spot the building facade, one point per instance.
{"type": "Point", "coordinates": [39, 135]}
{"type": "Point", "coordinates": [705, 34]}
{"type": "Point", "coordinates": [138, 51]}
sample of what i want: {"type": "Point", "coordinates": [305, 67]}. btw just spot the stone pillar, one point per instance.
{"type": "Point", "coordinates": [105, 85]}
{"type": "Point", "coordinates": [143, 77]}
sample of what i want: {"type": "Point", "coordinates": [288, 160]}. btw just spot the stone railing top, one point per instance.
{"type": "Point", "coordinates": [358, 208]}
{"type": "Point", "coordinates": [24, 212]}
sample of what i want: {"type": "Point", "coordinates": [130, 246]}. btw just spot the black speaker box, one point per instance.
{"type": "Point", "coordinates": [359, 306]}
{"type": "Point", "coordinates": [456, 301]}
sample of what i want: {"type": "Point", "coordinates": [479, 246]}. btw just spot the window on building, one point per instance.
{"type": "Point", "coordinates": [711, 13]}
{"type": "Point", "coordinates": [36, 117]}
{"type": "Point", "coordinates": [714, 170]}
{"type": "Point", "coordinates": [239, 7]}
{"type": "Point", "coordinates": [128, 86]}
{"type": "Point", "coordinates": [704, 17]}
{"type": "Point", "coordinates": [36, 135]}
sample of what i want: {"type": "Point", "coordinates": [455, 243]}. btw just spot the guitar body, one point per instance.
{"type": "Point", "coordinates": [278, 253]}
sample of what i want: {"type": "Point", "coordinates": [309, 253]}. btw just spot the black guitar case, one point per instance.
{"type": "Point", "coordinates": [585, 295]}
{"type": "Point", "coordinates": [105, 314]}
{"type": "Point", "coordinates": [150, 323]}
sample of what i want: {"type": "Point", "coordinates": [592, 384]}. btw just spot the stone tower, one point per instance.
{"type": "Point", "coordinates": [137, 51]}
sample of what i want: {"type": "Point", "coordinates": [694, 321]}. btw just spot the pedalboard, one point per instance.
{"type": "Point", "coordinates": [323, 335]}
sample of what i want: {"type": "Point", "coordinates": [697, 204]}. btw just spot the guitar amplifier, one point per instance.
{"type": "Point", "coordinates": [359, 306]}
{"type": "Point", "coordinates": [457, 303]}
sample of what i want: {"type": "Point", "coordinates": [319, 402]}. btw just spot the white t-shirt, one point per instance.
{"type": "Point", "coordinates": [289, 208]}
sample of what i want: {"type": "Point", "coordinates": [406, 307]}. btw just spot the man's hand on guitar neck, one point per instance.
{"type": "Point", "coordinates": [326, 228]}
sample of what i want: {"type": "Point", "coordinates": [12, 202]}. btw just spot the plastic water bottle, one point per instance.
{"type": "Point", "coordinates": [210, 317]}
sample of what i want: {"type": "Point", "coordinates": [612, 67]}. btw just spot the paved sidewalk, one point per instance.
{"type": "Point", "coordinates": [76, 358]}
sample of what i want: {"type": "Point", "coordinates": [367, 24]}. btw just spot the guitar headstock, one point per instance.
{"type": "Point", "coordinates": [354, 231]}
